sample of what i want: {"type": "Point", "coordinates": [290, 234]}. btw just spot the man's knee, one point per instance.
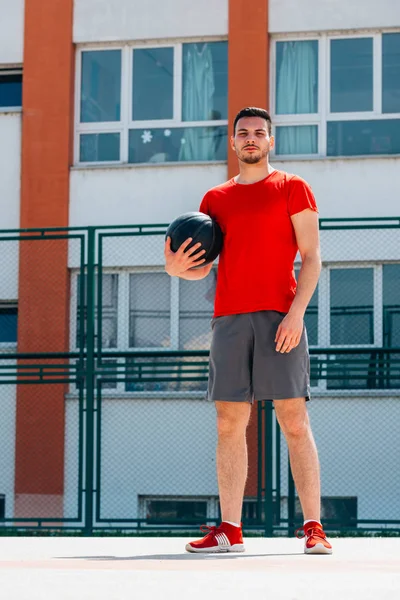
{"type": "Point", "coordinates": [232, 418]}
{"type": "Point", "coordinates": [295, 427]}
{"type": "Point", "coordinates": [294, 423]}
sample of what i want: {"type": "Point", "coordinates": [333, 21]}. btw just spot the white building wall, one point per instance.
{"type": "Point", "coordinates": [10, 189]}
{"type": "Point", "coordinates": [351, 187]}
{"type": "Point", "coordinates": [287, 16]}
{"type": "Point", "coordinates": [101, 20]}
{"type": "Point", "coordinates": [132, 195]}
{"type": "Point", "coordinates": [11, 31]}
{"type": "Point", "coordinates": [126, 195]}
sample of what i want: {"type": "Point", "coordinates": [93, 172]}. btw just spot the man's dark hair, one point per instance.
{"type": "Point", "coordinates": [253, 111]}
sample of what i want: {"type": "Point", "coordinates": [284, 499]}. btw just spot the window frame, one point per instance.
{"type": "Point", "coordinates": [324, 114]}
{"type": "Point", "coordinates": [126, 123]}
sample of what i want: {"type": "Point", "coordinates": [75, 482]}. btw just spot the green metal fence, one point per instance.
{"type": "Point", "coordinates": [124, 387]}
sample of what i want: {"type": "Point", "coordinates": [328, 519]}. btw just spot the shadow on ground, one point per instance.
{"type": "Point", "coordinates": [187, 556]}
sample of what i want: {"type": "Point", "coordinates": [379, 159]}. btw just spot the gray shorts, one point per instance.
{"type": "Point", "coordinates": [244, 365]}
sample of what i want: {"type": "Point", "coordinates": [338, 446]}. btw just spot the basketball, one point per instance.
{"type": "Point", "coordinates": [201, 228]}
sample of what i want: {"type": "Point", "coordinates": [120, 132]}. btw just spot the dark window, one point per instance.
{"type": "Point", "coordinates": [352, 314]}
{"type": "Point", "coordinates": [176, 510]}
{"type": "Point", "coordinates": [391, 72]}
{"type": "Point", "coordinates": [10, 89]}
{"type": "Point", "coordinates": [109, 296]}
{"type": "Point", "coordinates": [391, 323]}
{"type": "Point", "coordinates": [341, 510]}
{"type": "Point", "coordinates": [153, 84]}
{"type": "Point", "coordinates": [98, 147]}
{"type": "Point", "coordinates": [351, 75]}
{"type": "Point", "coordinates": [101, 86]}
{"type": "Point", "coordinates": [8, 322]}
{"type": "Point", "coordinates": [2, 506]}
{"type": "Point", "coordinates": [358, 138]}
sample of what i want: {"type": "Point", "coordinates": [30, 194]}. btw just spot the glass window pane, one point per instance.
{"type": "Point", "coordinates": [196, 305]}
{"type": "Point", "coordinates": [391, 72]}
{"type": "Point", "coordinates": [297, 77]}
{"type": "Point", "coordinates": [98, 147]}
{"type": "Point", "coordinates": [205, 81]}
{"type": "Point", "coordinates": [301, 139]}
{"type": "Point", "coordinates": [311, 316]}
{"type": "Point", "coordinates": [109, 312]}
{"type": "Point", "coordinates": [178, 144]}
{"type": "Point", "coordinates": [354, 371]}
{"type": "Point", "coordinates": [168, 511]}
{"type": "Point", "coordinates": [153, 81]}
{"type": "Point", "coordinates": [10, 90]}
{"type": "Point", "coordinates": [351, 75]}
{"type": "Point", "coordinates": [356, 138]}
{"type": "Point", "coordinates": [8, 323]}
{"type": "Point", "coordinates": [149, 310]}
{"type": "Point", "coordinates": [391, 305]}
{"type": "Point", "coordinates": [352, 311]}
{"type": "Point", "coordinates": [101, 86]}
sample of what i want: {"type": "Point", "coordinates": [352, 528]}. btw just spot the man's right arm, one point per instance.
{"type": "Point", "coordinates": [180, 263]}
{"type": "Point", "coordinates": [194, 274]}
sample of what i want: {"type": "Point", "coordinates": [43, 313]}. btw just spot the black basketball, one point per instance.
{"type": "Point", "coordinates": [201, 228]}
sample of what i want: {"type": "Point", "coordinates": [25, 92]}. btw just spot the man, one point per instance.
{"type": "Point", "coordinates": [259, 347]}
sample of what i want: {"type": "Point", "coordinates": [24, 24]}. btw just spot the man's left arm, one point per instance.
{"type": "Point", "coordinates": [306, 229]}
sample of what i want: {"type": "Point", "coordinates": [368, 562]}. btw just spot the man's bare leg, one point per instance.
{"type": "Point", "coordinates": [293, 419]}
{"type": "Point", "coordinates": [232, 420]}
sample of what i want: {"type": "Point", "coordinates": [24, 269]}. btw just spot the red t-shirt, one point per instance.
{"type": "Point", "coordinates": [255, 270]}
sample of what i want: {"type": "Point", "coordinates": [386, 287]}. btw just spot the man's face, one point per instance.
{"type": "Point", "coordinates": [252, 141]}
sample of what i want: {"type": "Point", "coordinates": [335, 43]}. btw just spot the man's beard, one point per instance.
{"type": "Point", "coordinates": [252, 159]}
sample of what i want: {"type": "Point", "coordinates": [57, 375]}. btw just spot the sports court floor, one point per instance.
{"type": "Point", "coordinates": [158, 568]}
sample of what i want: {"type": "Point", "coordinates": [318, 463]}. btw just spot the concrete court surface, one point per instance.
{"type": "Point", "coordinates": [159, 568]}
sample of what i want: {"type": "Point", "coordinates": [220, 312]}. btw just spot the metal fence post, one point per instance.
{"type": "Point", "coordinates": [90, 384]}
{"type": "Point", "coordinates": [291, 502]}
{"type": "Point", "coordinates": [269, 516]}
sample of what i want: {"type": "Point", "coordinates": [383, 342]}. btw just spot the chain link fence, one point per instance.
{"type": "Point", "coordinates": [103, 375]}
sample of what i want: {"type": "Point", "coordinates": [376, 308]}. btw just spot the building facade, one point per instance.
{"type": "Point", "coordinates": [119, 113]}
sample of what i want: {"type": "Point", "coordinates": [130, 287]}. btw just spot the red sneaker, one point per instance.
{"type": "Point", "coordinates": [315, 539]}
{"type": "Point", "coordinates": [225, 538]}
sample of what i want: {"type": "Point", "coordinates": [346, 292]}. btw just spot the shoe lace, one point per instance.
{"type": "Point", "coordinates": [317, 531]}
{"type": "Point", "coordinates": [210, 530]}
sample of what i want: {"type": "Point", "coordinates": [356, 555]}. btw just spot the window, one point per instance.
{"type": "Point", "coordinates": [10, 89]}
{"type": "Point", "coordinates": [391, 305]}
{"type": "Point", "coordinates": [109, 295]}
{"type": "Point", "coordinates": [173, 510]}
{"type": "Point", "coordinates": [357, 114]}
{"type": "Point", "coordinates": [342, 510]}
{"type": "Point", "coordinates": [391, 73]}
{"type": "Point", "coordinates": [153, 104]}
{"type": "Point", "coordinates": [196, 305]}
{"type": "Point", "coordinates": [351, 75]}
{"type": "Point", "coordinates": [149, 310]}
{"type": "Point", "coordinates": [2, 506]}
{"type": "Point", "coordinates": [8, 322]}
{"type": "Point", "coordinates": [297, 94]}
{"type": "Point", "coordinates": [352, 307]}
{"type": "Point", "coordinates": [391, 322]}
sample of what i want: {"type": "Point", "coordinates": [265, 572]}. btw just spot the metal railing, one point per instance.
{"type": "Point", "coordinates": [132, 384]}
